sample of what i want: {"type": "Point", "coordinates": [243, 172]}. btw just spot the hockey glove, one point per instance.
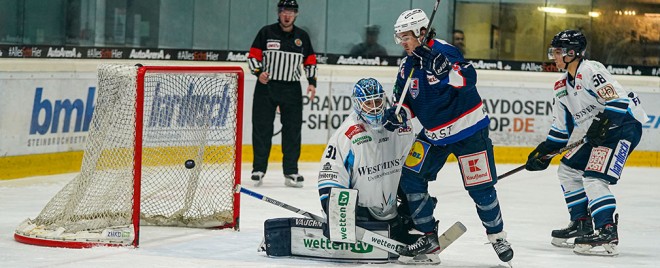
{"type": "Point", "coordinates": [598, 130]}
{"type": "Point", "coordinates": [536, 160]}
{"type": "Point", "coordinates": [392, 121]}
{"type": "Point", "coordinates": [432, 61]}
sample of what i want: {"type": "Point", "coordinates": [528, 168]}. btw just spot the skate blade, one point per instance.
{"type": "Point", "coordinates": [605, 250]}
{"type": "Point", "coordinates": [258, 183]}
{"type": "Point", "coordinates": [430, 258]}
{"type": "Point", "coordinates": [262, 246]}
{"type": "Point", "coordinates": [561, 243]}
{"type": "Point", "coordinates": [294, 184]}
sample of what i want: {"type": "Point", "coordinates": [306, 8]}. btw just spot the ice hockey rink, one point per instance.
{"type": "Point", "coordinates": [532, 205]}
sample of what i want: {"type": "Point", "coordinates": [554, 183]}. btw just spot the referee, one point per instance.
{"type": "Point", "coordinates": [275, 58]}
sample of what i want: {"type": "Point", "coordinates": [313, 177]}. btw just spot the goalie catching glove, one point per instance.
{"type": "Point", "coordinates": [393, 121]}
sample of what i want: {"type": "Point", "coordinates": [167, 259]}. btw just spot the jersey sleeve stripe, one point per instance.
{"type": "Point", "coordinates": [616, 110]}
{"type": "Point", "coordinates": [558, 140]}
{"type": "Point", "coordinates": [256, 54]}
{"type": "Point", "coordinates": [310, 60]}
{"type": "Point", "coordinates": [559, 130]}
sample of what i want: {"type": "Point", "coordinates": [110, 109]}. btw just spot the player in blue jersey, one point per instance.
{"type": "Point", "coordinates": [443, 97]}
{"type": "Point", "coordinates": [588, 97]}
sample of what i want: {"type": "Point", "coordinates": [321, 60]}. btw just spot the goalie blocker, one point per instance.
{"type": "Point", "coordinates": [302, 237]}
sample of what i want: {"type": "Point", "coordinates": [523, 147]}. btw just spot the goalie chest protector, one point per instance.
{"type": "Point", "coordinates": [303, 237]}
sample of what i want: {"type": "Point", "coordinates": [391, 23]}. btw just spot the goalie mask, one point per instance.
{"type": "Point", "coordinates": [410, 20]}
{"type": "Point", "coordinates": [567, 41]}
{"type": "Point", "coordinates": [369, 102]}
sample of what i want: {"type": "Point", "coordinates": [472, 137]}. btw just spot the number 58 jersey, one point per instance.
{"type": "Point", "coordinates": [359, 157]}
{"type": "Point", "coordinates": [594, 90]}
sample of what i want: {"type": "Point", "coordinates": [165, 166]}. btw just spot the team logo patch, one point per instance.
{"type": "Point", "coordinates": [607, 92]}
{"type": "Point", "coordinates": [361, 140]}
{"type": "Point", "coordinates": [578, 76]}
{"type": "Point", "coordinates": [414, 87]}
{"type": "Point", "coordinates": [354, 130]}
{"type": "Point", "coordinates": [404, 130]}
{"type": "Point", "coordinates": [416, 155]}
{"type": "Point", "coordinates": [273, 45]}
{"type": "Point", "coordinates": [432, 79]}
{"type": "Point", "coordinates": [298, 42]}
{"type": "Point", "coordinates": [327, 166]}
{"type": "Point", "coordinates": [561, 93]}
{"type": "Point", "coordinates": [619, 159]}
{"type": "Point", "coordinates": [475, 168]}
{"type": "Point", "coordinates": [559, 84]}
{"type": "Point", "coordinates": [598, 159]}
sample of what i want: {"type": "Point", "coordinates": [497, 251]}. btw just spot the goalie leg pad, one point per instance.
{"type": "Point", "coordinates": [303, 238]}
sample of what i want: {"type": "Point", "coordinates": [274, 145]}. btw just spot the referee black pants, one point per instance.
{"type": "Point", "coordinates": [288, 96]}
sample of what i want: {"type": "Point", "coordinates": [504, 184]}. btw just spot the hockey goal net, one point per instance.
{"type": "Point", "coordinates": [164, 148]}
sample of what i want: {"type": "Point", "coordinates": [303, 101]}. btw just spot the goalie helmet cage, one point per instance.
{"type": "Point", "coordinates": [148, 122]}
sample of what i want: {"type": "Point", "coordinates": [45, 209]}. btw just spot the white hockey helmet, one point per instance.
{"type": "Point", "coordinates": [410, 20]}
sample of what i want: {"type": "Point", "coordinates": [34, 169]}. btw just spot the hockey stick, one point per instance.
{"type": "Point", "coordinates": [545, 157]}
{"type": "Point", "coordinates": [364, 235]}
{"type": "Point", "coordinates": [426, 36]}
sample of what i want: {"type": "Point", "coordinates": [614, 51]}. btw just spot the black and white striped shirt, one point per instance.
{"type": "Point", "coordinates": [281, 54]}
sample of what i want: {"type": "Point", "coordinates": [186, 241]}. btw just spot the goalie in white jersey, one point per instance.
{"type": "Point", "coordinates": [362, 155]}
{"type": "Point", "coordinates": [588, 97]}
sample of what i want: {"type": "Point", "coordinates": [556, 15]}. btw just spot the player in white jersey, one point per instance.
{"type": "Point", "coordinates": [362, 155]}
{"type": "Point", "coordinates": [588, 97]}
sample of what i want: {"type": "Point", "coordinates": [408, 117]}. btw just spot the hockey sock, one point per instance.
{"type": "Point", "coordinates": [488, 209]}
{"type": "Point", "coordinates": [574, 194]}
{"type": "Point", "coordinates": [602, 204]}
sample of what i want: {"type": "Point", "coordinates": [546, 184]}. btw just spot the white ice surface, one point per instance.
{"type": "Point", "coordinates": [532, 205]}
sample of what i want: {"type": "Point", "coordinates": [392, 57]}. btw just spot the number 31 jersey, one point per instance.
{"type": "Point", "coordinates": [369, 160]}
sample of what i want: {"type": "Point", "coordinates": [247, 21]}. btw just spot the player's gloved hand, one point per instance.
{"type": "Point", "coordinates": [598, 130]}
{"type": "Point", "coordinates": [393, 121]}
{"type": "Point", "coordinates": [431, 60]}
{"type": "Point", "coordinates": [536, 161]}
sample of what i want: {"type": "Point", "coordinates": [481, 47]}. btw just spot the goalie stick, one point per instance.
{"type": "Point", "coordinates": [364, 235]}
{"type": "Point", "coordinates": [545, 157]}
{"type": "Point", "coordinates": [426, 36]}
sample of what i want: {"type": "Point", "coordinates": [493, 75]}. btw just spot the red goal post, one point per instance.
{"type": "Point", "coordinates": [149, 123]}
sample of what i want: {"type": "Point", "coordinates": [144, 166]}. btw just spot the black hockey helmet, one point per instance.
{"type": "Point", "coordinates": [288, 4]}
{"type": "Point", "coordinates": [570, 40]}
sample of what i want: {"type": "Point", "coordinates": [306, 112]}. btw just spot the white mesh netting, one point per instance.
{"type": "Point", "coordinates": [188, 115]}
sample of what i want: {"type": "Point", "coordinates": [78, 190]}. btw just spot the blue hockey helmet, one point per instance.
{"type": "Point", "coordinates": [369, 101]}
{"type": "Point", "coordinates": [569, 40]}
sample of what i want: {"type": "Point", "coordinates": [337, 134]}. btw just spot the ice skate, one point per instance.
{"type": "Point", "coordinates": [577, 228]}
{"type": "Point", "coordinates": [294, 180]}
{"type": "Point", "coordinates": [257, 178]}
{"type": "Point", "coordinates": [603, 242]}
{"type": "Point", "coordinates": [423, 251]}
{"type": "Point", "coordinates": [501, 246]}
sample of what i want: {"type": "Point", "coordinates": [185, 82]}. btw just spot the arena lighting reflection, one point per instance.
{"type": "Point", "coordinates": [552, 10]}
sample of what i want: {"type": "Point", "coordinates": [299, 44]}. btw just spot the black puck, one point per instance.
{"type": "Point", "coordinates": [190, 163]}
